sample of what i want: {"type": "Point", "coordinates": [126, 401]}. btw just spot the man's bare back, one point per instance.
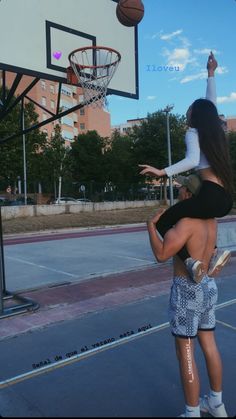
{"type": "Point", "coordinates": [202, 232]}
{"type": "Point", "coordinates": [198, 235]}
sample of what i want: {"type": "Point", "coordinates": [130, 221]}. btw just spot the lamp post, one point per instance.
{"type": "Point", "coordinates": [167, 111]}
{"type": "Point", "coordinates": [36, 147]}
{"type": "Point", "coordinates": [24, 153]}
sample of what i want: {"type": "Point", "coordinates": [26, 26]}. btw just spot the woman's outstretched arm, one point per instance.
{"type": "Point", "coordinates": [211, 86]}
{"type": "Point", "coordinates": [191, 160]}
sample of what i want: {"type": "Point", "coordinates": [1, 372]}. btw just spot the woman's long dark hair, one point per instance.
{"type": "Point", "coordinates": [212, 140]}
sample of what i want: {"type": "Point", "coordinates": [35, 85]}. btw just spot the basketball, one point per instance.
{"type": "Point", "coordinates": [130, 12]}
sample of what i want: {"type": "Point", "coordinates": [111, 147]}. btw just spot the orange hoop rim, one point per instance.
{"type": "Point", "coordinates": [94, 47]}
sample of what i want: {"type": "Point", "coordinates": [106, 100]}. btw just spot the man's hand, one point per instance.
{"type": "Point", "coordinates": [154, 218]}
{"type": "Point", "coordinates": [149, 170]}
{"type": "Point", "coordinates": [211, 65]}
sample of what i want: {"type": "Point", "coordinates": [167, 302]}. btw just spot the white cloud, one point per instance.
{"type": "Point", "coordinates": [186, 43]}
{"type": "Point", "coordinates": [201, 75]}
{"type": "Point", "coordinates": [222, 70]}
{"type": "Point", "coordinates": [226, 99]}
{"type": "Point", "coordinates": [151, 97]}
{"type": "Point", "coordinates": [184, 57]}
{"type": "Point", "coordinates": [205, 51]}
{"type": "Point", "coordinates": [155, 35]}
{"type": "Point", "coordinates": [178, 57]}
{"type": "Point", "coordinates": [171, 35]}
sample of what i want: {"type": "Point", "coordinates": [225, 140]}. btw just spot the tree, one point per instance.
{"type": "Point", "coordinates": [121, 169]}
{"type": "Point", "coordinates": [56, 160]}
{"type": "Point", "coordinates": [150, 140]}
{"type": "Point", "coordinates": [87, 158]}
{"type": "Point", "coordinates": [11, 155]}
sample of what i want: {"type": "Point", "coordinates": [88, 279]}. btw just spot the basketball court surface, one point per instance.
{"type": "Point", "coordinates": [101, 347]}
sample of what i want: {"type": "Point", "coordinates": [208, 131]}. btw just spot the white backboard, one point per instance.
{"type": "Point", "coordinates": [38, 35]}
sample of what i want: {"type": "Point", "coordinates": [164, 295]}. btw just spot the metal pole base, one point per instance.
{"type": "Point", "coordinates": [22, 305]}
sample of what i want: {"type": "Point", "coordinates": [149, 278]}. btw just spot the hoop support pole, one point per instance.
{"type": "Point", "coordinates": [22, 304]}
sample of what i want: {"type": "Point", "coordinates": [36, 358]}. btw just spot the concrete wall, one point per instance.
{"type": "Point", "coordinates": [37, 210]}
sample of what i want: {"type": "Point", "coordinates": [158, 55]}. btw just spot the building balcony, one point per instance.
{"type": "Point", "coordinates": [75, 117]}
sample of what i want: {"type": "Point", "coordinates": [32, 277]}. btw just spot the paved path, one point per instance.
{"type": "Point", "coordinates": [102, 348]}
{"type": "Point", "coordinates": [100, 345]}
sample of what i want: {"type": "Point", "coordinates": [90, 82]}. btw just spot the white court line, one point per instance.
{"type": "Point", "coordinates": [222, 305]}
{"type": "Point", "coordinates": [79, 357]}
{"type": "Point", "coordinates": [87, 354]}
{"type": "Point", "coordinates": [26, 262]}
{"type": "Point", "coordinates": [134, 258]}
{"type": "Point", "coordinates": [226, 303]}
{"type": "Point", "coordinates": [226, 324]}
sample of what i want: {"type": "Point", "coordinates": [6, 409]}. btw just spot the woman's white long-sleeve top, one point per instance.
{"type": "Point", "coordinates": [194, 157]}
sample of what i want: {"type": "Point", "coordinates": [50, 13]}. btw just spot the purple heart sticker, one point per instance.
{"type": "Point", "coordinates": [57, 55]}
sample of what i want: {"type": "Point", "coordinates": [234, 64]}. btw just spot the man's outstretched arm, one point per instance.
{"type": "Point", "coordinates": [173, 241]}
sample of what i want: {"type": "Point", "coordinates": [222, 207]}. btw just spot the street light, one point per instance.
{"type": "Point", "coordinates": [24, 153]}
{"type": "Point", "coordinates": [36, 148]}
{"type": "Point", "coordinates": [167, 111]}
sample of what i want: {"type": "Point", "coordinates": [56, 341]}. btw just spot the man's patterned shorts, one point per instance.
{"type": "Point", "coordinates": [192, 306]}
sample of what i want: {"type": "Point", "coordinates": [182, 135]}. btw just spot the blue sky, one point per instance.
{"type": "Point", "coordinates": [181, 33]}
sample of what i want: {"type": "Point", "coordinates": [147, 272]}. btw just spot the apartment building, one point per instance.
{"type": "Point", "coordinates": [126, 127]}
{"type": "Point", "coordinates": [45, 93]}
{"type": "Point", "coordinates": [231, 123]}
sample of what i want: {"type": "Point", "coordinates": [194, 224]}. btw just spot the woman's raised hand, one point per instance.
{"type": "Point", "coordinates": [211, 64]}
{"type": "Point", "coordinates": [151, 171]}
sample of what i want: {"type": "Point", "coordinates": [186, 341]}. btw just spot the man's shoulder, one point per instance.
{"type": "Point", "coordinates": [197, 226]}
{"type": "Point", "coordinates": [191, 224]}
{"type": "Point", "coordinates": [190, 220]}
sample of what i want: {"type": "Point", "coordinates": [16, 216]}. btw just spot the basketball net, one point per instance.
{"type": "Point", "coordinates": [94, 68]}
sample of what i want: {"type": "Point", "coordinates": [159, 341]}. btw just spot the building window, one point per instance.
{"type": "Point", "coordinates": [65, 105]}
{"type": "Point", "coordinates": [45, 131]}
{"type": "Point", "coordinates": [67, 135]}
{"type": "Point", "coordinates": [82, 126]}
{"type": "Point", "coordinates": [44, 101]}
{"type": "Point", "coordinates": [81, 98]}
{"type": "Point", "coordinates": [43, 84]}
{"type": "Point", "coordinates": [67, 121]}
{"type": "Point", "coordinates": [52, 88]}
{"type": "Point", "coordinates": [44, 117]}
{"type": "Point", "coordinates": [82, 111]}
{"type": "Point", "coordinates": [66, 91]}
{"type": "Point", "coordinates": [52, 104]}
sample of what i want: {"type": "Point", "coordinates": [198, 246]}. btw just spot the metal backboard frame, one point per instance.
{"type": "Point", "coordinates": [38, 35]}
{"type": "Point", "coordinates": [36, 39]}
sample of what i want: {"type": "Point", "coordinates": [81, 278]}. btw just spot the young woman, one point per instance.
{"type": "Point", "coordinates": [207, 152]}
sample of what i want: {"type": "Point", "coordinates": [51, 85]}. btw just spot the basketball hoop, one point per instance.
{"type": "Point", "coordinates": [93, 68]}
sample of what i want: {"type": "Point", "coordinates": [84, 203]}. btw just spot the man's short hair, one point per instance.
{"type": "Point", "coordinates": [191, 182]}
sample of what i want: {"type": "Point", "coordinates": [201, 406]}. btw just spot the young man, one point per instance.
{"type": "Point", "coordinates": [192, 306]}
